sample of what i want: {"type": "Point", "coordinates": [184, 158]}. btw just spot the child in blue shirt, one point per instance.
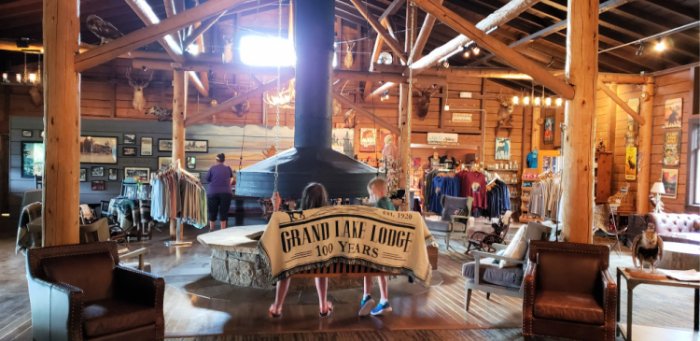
{"type": "Point", "coordinates": [378, 193]}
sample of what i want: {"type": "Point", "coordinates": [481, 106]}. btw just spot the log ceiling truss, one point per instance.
{"type": "Point", "coordinates": [538, 33]}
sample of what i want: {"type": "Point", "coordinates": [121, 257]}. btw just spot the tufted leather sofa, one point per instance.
{"type": "Point", "coordinates": [675, 227]}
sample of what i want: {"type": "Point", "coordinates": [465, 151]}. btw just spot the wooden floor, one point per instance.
{"type": "Point", "coordinates": [198, 307]}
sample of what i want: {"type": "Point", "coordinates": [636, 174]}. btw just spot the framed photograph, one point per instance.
{"type": "Point", "coordinates": [98, 185]}
{"type": "Point", "coordinates": [502, 148]}
{"type": "Point", "coordinates": [139, 174]}
{"type": "Point", "coordinates": [98, 149]}
{"type": "Point", "coordinates": [191, 146]}
{"type": "Point", "coordinates": [32, 158]}
{"type": "Point", "coordinates": [97, 172]}
{"type": "Point", "coordinates": [164, 162]}
{"type": "Point", "coordinates": [368, 139]}
{"type": "Point", "coordinates": [672, 148]}
{"type": "Point", "coordinates": [83, 174]}
{"type": "Point", "coordinates": [146, 146]}
{"type": "Point", "coordinates": [630, 163]}
{"type": "Point", "coordinates": [191, 162]}
{"type": "Point", "coordinates": [343, 140]}
{"type": "Point", "coordinates": [673, 112]}
{"type": "Point", "coordinates": [113, 174]}
{"type": "Point", "coordinates": [129, 138]}
{"type": "Point", "coordinates": [669, 177]}
{"type": "Point", "coordinates": [27, 133]}
{"type": "Point", "coordinates": [548, 129]}
{"type": "Point", "coordinates": [129, 151]}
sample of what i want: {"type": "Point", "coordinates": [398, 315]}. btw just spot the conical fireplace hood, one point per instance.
{"type": "Point", "coordinates": [311, 159]}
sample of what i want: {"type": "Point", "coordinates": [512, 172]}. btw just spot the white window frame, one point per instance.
{"type": "Point", "coordinates": [693, 182]}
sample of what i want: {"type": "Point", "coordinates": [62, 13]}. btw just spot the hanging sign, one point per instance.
{"type": "Point", "coordinates": [443, 138]}
{"type": "Point", "coordinates": [631, 163]}
{"type": "Point", "coordinates": [461, 117]}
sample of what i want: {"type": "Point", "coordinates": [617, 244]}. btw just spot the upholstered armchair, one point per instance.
{"type": "Point", "coordinates": [80, 292]}
{"type": "Point", "coordinates": [97, 231]}
{"type": "Point", "coordinates": [502, 272]}
{"type": "Point", "coordinates": [454, 218]}
{"type": "Point", "coordinates": [569, 292]}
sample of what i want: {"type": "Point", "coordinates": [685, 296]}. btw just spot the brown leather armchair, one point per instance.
{"type": "Point", "coordinates": [80, 292]}
{"type": "Point", "coordinates": [569, 292]}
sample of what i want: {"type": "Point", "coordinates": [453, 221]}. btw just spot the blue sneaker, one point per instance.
{"type": "Point", "coordinates": [366, 305]}
{"type": "Point", "coordinates": [381, 308]}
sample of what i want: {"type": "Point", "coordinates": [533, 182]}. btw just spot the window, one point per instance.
{"type": "Point", "coordinates": [694, 163]}
{"type": "Point", "coordinates": [257, 50]}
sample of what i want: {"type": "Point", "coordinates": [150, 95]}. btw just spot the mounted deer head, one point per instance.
{"type": "Point", "coordinates": [139, 101]}
{"type": "Point", "coordinates": [242, 108]}
{"type": "Point", "coordinates": [36, 93]}
{"type": "Point", "coordinates": [505, 113]}
{"type": "Point", "coordinates": [421, 100]}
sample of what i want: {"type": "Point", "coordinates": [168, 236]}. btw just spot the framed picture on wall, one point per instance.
{"type": "Point", "coordinates": [669, 177]}
{"type": "Point", "coordinates": [97, 172]}
{"type": "Point", "coordinates": [129, 151]}
{"type": "Point", "coordinates": [129, 138]}
{"type": "Point", "coordinates": [673, 112]}
{"type": "Point", "coordinates": [98, 185]}
{"type": "Point", "coordinates": [140, 174]}
{"type": "Point", "coordinates": [113, 174]}
{"type": "Point", "coordinates": [83, 174]}
{"type": "Point", "coordinates": [191, 146]}
{"type": "Point", "coordinates": [630, 163]}
{"type": "Point", "coordinates": [164, 162]}
{"type": "Point", "coordinates": [672, 148]}
{"type": "Point", "coordinates": [98, 149]}
{"type": "Point", "coordinates": [343, 140]}
{"type": "Point", "coordinates": [549, 127]}
{"type": "Point", "coordinates": [32, 158]}
{"type": "Point", "coordinates": [368, 139]}
{"type": "Point", "coordinates": [502, 148]}
{"type": "Point", "coordinates": [191, 162]}
{"type": "Point", "coordinates": [146, 146]}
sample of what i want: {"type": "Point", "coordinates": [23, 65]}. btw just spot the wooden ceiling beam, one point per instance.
{"type": "Point", "coordinates": [506, 13]}
{"type": "Point", "coordinates": [227, 104]}
{"type": "Point", "coordinates": [147, 35]}
{"type": "Point", "coordinates": [514, 58]}
{"type": "Point", "coordinates": [364, 112]}
{"type": "Point", "coordinates": [203, 28]}
{"type": "Point", "coordinates": [422, 38]}
{"type": "Point", "coordinates": [390, 41]}
{"type": "Point", "coordinates": [626, 108]}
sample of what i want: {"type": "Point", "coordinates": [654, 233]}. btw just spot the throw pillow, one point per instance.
{"type": "Point", "coordinates": [516, 249]}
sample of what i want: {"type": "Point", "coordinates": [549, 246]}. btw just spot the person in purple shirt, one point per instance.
{"type": "Point", "coordinates": [219, 193]}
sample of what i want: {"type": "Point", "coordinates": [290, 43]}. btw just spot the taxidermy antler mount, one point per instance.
{"type": "Point", "coordinates": [139, 101]}
{"type": "Point", "coordinates": [421, 100]}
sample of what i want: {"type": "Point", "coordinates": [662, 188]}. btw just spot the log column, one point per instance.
{"type": "Point", "coordinates": [644, 159]}
{"type": "Point", "coordinates": [61, 191]}
{"type": "Point", "coordinates": [179, 109]}
{"type": "Point", "coordinates": [405, 114]}
{"type": "Point", "coordinates": [582, 72]}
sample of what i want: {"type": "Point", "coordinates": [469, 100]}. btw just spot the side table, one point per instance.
{"type": "Point", "coordinates": [672, 334]}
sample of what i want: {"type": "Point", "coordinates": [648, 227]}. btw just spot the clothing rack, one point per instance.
{"type": "Point", "coordinates": [178, 197]}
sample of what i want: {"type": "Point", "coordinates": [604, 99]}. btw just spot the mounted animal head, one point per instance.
{"type": "Point", "coordinates": [139, 101]}
{"type": "Point", "coordinates": [350, 119]}
{"type": "Point", "coordinates": [162, 114]}
{"type": "Point", "coordinates": [505, 113]}
{"type": "Point", "coordinates": [348, 59]}
{"type": "Point", "coordinates": [421, 100]}
{"type": "Point", "coordinates": [242, 108]}
{"type": "Point", "coordinates": [36, 93]}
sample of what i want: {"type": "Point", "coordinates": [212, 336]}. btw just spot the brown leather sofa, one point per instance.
{"type": "Point", "coordinates": [676, 227]}
{"type": "Point", "coordinates": [569, 292]}
{"type": "Point", "coordinates": [80, 292]}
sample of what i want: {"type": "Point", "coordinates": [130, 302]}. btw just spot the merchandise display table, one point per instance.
{"type": "Point", "coordinates": [625, 329]}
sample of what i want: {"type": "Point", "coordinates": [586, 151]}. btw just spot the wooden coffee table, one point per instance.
{"type": "Point", "coordinates": [668, 334]}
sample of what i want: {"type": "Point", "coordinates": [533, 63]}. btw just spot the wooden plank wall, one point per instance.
{"type": "Point", "coordinates": [668, 86]}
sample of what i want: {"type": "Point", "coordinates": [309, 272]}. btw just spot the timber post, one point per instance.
{"type": "Point", "coordinates": [61, 189]}
{"type": "Point", "coordinates": [644, 159]}
{"type": "Point", "coordinates": [581, 71]}
{"type": "Point", "coordinates": [178, 152]}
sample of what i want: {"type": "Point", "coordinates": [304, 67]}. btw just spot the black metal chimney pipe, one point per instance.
{"type": "Point", "coordinates": [312, 159]}
{"type": "Point", "coordinates": [313, 42]}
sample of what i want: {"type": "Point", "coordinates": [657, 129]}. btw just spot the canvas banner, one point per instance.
{"type": "Point", "coordinates": [389, 241]}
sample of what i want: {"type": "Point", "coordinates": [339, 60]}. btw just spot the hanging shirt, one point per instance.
{"type": "Point", "coordinates": [474, 185]}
